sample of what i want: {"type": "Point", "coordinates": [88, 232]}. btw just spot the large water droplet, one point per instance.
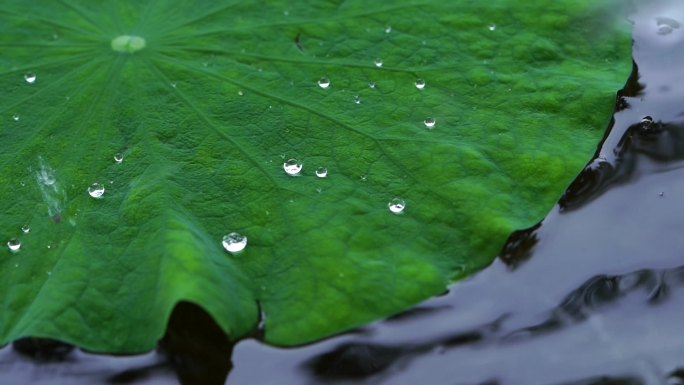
{"type": "Point", "coordinates": [324, 82]}
{"type": "Point", "coordinates": [420, 84]}
{"type": "Point", "coordinates": [96, 190]}
{"type": "Point", "coordinates": [492, 27]}
{"type": "Point", "coordinates": [429, 122]}
{"type": "Point", "coordinates": [30, 77]}
{"type": "Point", "coordinates": [25, 229]}
{"type": "Point", "coordinates": [14, 244]}
{"type": "Point", "coordinates": [118, 157]}
{"type": "Point", "coordinates": [15, 117]}
{"type": "Point", "coordinates": [378, 62]}
{"type": "Point", "coordinates": [321, 172]}
{"type": "Point", "coordinates": [397, 205]}
{"type": "Point", "coordinates": [292, 166]}
{"type": "Point", "coordinates": [234, 242]}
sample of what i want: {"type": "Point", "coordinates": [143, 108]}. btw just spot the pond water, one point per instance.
{"type": "Point", "coordinates": [592, 295]}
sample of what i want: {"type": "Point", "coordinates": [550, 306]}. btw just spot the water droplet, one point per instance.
{"type": "Point", "coordinates": [292, 167]}
{"type": "Point", "coordinates": [15, 117]}
{"type": "Point", "coordinates": [647, 123]}
{"type": "Point", "coordinates": [240, 93]}
{"type": "Point", "coordinates": [96, 190]}
{"type": "Point", "coordinates": [492, 27]}
{"type": "Point", "coordinates": [324, 82]}
{"type": "Point", "coordinates": [388, 29]}
{"type": "Point", "coordinates": [14, 244]}
{"type": "Point", "coordinates": [30, 78]}
{"type": "Point", "coordinates": [173, 84]}
{"type": "Point", "coordinates": [321, 172]}
{"type": "Point", "coordinates": [357, 99]}
{"type": "Point", "coordinates": [420, 84]}
{"type": "Point", "coordinates": [429, 122]}
{"type": "Point", "coordinates": [286, 13]}
{"type": "Point", "coordinates": [234, 242]}
{"type": "Point", "coordinates": [397, 205]}
{"type": "Point", "coordinates": [25, 229]}
{"type": "Point", "coordinates": [378, 62]}
{"type": "Point", "coordinates": [666, 25]}
{"type": "Point", "coordinates": [118, 157]}
{"type": "Point", "coordinates": [371, 84]}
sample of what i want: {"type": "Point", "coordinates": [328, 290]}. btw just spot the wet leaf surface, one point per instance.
{"type": "Point", "coordinates": [138, 137]}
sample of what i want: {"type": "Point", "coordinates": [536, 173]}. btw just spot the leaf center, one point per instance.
{"type": "Point", "coordinates": [128, 43]}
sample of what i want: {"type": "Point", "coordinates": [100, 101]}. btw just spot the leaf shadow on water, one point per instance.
{"type": "Point", "coordinates": [590, 296]}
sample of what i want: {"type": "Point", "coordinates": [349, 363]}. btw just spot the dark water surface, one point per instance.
{"type": "Point", "coordinates": [593, 295]}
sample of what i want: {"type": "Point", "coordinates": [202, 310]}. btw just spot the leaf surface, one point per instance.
{"type": "Point", "coordinates": [207, 100]}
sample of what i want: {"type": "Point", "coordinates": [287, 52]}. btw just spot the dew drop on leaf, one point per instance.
{"type": "Point", "coordinates": [357, 99]}
{"type": "Point", "coordinates": [324, 82]}
{"type": "Point", "coordinates": [25, 229]}
{"type": "Point", "coordinates": [96, 190]}
{"type": "Point", "coordinates": [388, 29]}
{"type": "Point", "coordinates": [118, 157]}
{"type": "Point", "coordinates": [15, 117]}
{"type": "Point", "coordinates": [378, 62]}
{"type": "Point", "coordinates": [371, 84]}
{"type": "Point", "coordinates": [420, 84]}
{"type": "Point", "coordinates": [234, 242]}
{"type": "Point", "coordinates": [492, 27]}
{"type": "Point", "coordinates": [292, 166]}
{"type": "Point", "coordinates": [14, 244]}
{"type": "Point", "coordinates": [397, 205]}
{"type": "Point", "coordinates": [30, 78]}
{"type": "Point", "coordinates": [429, 122]}
{"type": "Point", "coordinates": [321, 172]}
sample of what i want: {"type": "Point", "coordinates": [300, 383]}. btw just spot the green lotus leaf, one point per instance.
{"type": "Point", "coordinates": [467, 118]}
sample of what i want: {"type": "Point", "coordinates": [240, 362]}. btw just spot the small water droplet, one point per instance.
{"type": "Point", "coordinates": [647, 123]}
{"type": "Point", "coordinates": [286, 13]}
{"type": "Point", "coordinates": [240, 93]}
{"type": "Point", "coordinates": [96, 190]}
{"type": "Point", "coordinates": [30, 77]}
{"type": "Point", "coordinates": [492, 27]}
{"type": "Point", "coordinates": [25, 229]}
{"type": "Point", "coordinates": [234, 242]}
{"type": "Point", "coordinates": [420, 84]}
{"type": "Point", "coordinates": [388, 29]}
{"type": "Point", "coordinates": [397, 205]}
{"type": "Point", "coordinates": [118, 157]}
{"type": "Point", "coordinates": [371, 84]}
{"type": "Point", "coordinates": [661, 194]}
{"type": "Point", "coordinates": [324, 82]}
{"type": "Point", "coordinates": [364, 178]}
{"type": "Point", "coordinates": [14, 244]}
{"type": "Point", "coordinates": [378, 62]}
{"type": "Point", "coordinates": [15, 117]}
{"type": "Point", "coordinates": [429, 122]}
{"type": "Point", "coordinates": [321, 172]}
{"type": "Point", "coordinates": [292, 166]}
{"type": "Point", "coordinates": [173, 84]}
{"type": "Point", "coordinates": [666, 25]}
{"type": "Point", "coordinates": [357, 99]}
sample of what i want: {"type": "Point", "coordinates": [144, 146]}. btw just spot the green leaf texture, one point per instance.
{"type": "Point", "coordinates": [206, 100]}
